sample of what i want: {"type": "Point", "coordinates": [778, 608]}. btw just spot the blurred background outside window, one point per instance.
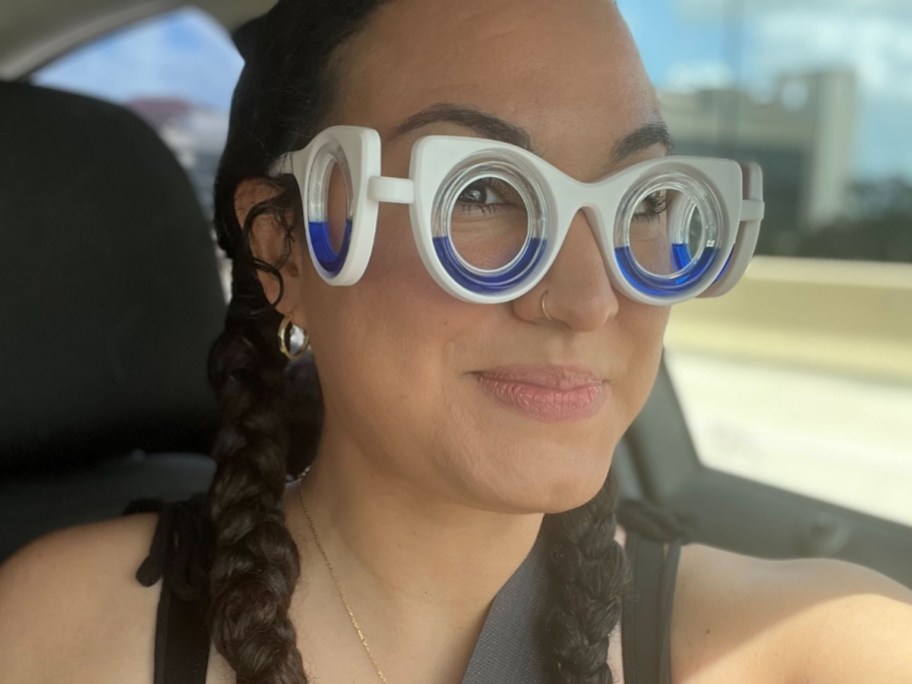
{"type": "Point", "coordinates": [177, 71]}
{"type": "Point", "coordinates": [802, 376]}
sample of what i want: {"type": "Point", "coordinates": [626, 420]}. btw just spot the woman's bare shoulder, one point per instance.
{"type": "Point", "coordinates": [747, 619]}
{"type": "Point", "coordinates": [72, 610]}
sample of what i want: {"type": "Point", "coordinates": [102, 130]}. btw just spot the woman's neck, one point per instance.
{"type": "Point", "coordinates": [410, 547]}
{"type": "Point", "coordinates": [419, 572]}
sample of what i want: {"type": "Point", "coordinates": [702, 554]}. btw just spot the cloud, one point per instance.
{"type": "Point", "coordinates": [691, 76]}
{"type": "Point", "coordinates": [877, 49]}
{"type": "Point", "coordinates": [872, 38]}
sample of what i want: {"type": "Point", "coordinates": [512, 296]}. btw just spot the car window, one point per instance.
{"type": "Point", "coordinates": [802, 376]}
{"type": "Point", "coordinates": [176, 70]}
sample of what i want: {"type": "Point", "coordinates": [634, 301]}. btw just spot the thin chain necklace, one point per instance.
{"type": "Point", "coordinates": [335, 579]}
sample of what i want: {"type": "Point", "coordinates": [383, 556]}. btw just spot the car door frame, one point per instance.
{"type": "Point", "coordinates": [744, 516]}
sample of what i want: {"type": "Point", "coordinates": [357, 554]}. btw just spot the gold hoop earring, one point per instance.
{"type": "Point", "coordinates": [294, 343]}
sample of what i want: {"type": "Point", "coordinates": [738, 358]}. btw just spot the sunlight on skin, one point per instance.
{"type": "Point", "coordinates": [772, 618]}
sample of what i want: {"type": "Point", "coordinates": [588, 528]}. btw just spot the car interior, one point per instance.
{"type": "Point", "coordinates": [116, 295]}
{"type": "Point", "coordinates": [111, 299]}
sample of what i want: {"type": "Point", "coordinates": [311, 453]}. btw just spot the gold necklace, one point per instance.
{"type": "Point", "coordinates": [335, 579]}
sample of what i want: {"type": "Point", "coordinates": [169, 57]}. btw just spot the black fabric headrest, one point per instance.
{"type": "Point", "coordinates": [110, 291]}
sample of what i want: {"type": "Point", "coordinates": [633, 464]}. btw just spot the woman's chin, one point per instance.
{"type": "Point", "coordinates": [573, 493]}
{"type": "Point", "coordinates": [543, 484]}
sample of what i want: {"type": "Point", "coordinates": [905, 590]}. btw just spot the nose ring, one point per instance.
{"type": "Point", "coordinates": [544, 308]}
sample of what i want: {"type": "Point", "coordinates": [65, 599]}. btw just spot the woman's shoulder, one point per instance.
{"type": "Point", "coordinates": [747, 619]}
{"type": "Point", "coordinates": [71, 608]}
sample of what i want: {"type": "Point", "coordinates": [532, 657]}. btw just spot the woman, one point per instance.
{"type": "Point", "coordinates": [466, 431]}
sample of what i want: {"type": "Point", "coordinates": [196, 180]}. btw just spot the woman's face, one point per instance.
{"type": "Point", "coordinates": [444, 397]}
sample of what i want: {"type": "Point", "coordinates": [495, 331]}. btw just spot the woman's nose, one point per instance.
{"type": "Point", "coordinates": [576, 291]}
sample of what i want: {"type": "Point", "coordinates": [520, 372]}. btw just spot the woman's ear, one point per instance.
{"type": "Point", "coordinates": [271, 242]}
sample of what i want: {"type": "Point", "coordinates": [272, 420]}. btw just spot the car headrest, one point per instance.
{"type": "Point", "coordinates": [109, 289]}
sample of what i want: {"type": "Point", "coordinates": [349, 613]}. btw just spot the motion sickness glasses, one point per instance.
{"type": "Point", "coordinates": [489, 218]}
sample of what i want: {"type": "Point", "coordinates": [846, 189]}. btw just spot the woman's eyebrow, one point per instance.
{"type": "Point", "coordinates": [486, 125]}
{"type": "Point", "coordinates": [495, 128]}
{"type": "Point", "coordinates": [653, 133]}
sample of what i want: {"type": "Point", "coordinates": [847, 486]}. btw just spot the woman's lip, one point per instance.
{"type": "Point", "coordinates": [549, 377]}
{"type": "Point", "coordinates": [546, 394]}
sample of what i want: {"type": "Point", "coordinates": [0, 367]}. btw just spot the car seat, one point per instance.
{"type": "Point", "coordinates": [110, 301]}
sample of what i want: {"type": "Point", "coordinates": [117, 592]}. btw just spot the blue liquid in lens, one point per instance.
{"type": "Point", "coordinates": [681, 256]}
{"type": "Point", "coordinates": [498, 281]}
{"type": "Point", "coordinates": [659, 286]}
{"type": "Point", "coordinates": [326, 255]}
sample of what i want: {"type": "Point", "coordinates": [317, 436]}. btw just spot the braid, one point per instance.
{"type": "Point", "coordinates": [255, 565]}
{"type": "Point", "coordinates": [270, 411]}
{"type": "Point", "coordinates": [587, 575]}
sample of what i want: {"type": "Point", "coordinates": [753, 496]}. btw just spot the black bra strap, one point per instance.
{"type": "Point", "coordinates": [181, 642]}
{"type": "Point", "coordinates": [178, 557]}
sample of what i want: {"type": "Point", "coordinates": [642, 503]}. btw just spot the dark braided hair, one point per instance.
{"type": "Point", "coordinates": [271, 410]}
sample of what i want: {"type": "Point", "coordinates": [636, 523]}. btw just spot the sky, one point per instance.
{"type": "Point", "coordinates": [685, 44]}
{"type": "Point", "coordinates": [186, 55]}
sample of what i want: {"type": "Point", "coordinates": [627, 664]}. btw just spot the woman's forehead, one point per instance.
{"type": "Point", "coordinates": [548, 66]}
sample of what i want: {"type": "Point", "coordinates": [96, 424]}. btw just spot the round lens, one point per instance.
{"type": "Point", "coordinates": [667, 233]}
{"type": "Point", "coordinates": [329, 207]}
{"type": "Point", "coordinates": [489, 225]}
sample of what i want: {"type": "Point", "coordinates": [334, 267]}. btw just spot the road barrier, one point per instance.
{"type": "Point", "coordinates": [835, 316]}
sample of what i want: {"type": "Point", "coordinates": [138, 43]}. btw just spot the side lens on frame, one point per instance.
{"type": "Point", "coordinates": [489, 225]}
{"type": "Point", "coordinates": [667, 234]}
{"type": "Point", "coordinates": [329, 208]}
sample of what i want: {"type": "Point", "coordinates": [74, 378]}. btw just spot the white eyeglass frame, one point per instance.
{"type": "Point", "coordinates": [738, 189]}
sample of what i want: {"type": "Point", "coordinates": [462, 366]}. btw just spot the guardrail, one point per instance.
{"type": "Point", "coordinates": [835, 316]}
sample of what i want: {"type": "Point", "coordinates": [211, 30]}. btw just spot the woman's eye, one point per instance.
{"type": "Point", "coordinates": [486, 194]}
{"type": "Point", "coordinates": [653, 206]}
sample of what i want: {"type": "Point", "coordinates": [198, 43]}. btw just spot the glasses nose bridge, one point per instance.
{"type": "Point", "coordinates": [577, 214]}
{"type": "Point", "coordinates": [588, 199]}
{"type": "Point", "coordinates": [579, 277]}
